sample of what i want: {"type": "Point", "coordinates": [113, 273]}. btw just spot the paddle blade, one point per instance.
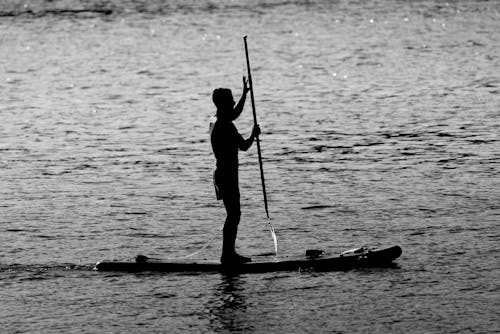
{"type": "Point", "coordinates": [275, 239]}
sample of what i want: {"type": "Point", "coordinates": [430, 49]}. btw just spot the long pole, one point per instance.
{"type": "Point", "coordinates": [255, 123]}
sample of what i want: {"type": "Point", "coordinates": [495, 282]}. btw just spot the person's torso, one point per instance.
{"type": "Point", "coordinates": [225, 144]}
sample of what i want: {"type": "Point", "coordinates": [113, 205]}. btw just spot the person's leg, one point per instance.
{"type": "Point", "coordinates": [229, 192]}
{"type": "Point", "coordinates": [229, 255]}
{"type": "Point", "coordinates": [230, 230]}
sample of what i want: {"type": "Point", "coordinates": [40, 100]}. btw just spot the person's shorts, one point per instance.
{"type": "Point", "coordinates": [225, 185]}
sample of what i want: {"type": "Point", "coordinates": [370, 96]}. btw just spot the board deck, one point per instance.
{"type": "Point", "coordinates": [360, 259]}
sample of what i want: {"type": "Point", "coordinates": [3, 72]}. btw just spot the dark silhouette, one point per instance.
{"type": "Point", "coordinates": [226, 141]}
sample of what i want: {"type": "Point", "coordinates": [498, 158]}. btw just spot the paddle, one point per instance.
{"type": "Point", "coordinates": [258, 149]}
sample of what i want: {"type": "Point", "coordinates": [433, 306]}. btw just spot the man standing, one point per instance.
{"type": "Point", "coordinates": [226, 142]}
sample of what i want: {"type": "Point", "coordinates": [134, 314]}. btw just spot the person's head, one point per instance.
{"type": "Point", "coordinates": [223, 100]}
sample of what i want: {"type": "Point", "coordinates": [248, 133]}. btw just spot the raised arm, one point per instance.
{"type": "Point", "coordinates": [241, 103]}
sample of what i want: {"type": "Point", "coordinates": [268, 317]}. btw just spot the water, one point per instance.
{"type": "Point", "coordinates": [380, 126]}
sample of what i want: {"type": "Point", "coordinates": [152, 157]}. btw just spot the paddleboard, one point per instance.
{"type": "Point", "coordinates": [313, 261]}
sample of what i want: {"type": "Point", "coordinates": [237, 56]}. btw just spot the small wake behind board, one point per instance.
{"type": "Point", "coordinates": [314, 261]}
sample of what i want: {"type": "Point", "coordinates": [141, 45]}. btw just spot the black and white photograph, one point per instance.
{"type": "Point", "coordinates": [249, 166]}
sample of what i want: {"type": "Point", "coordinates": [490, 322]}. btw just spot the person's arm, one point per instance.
{"type": "Point", "coordinates": [241, 103]}
{"type": "Point", "coordinates": [245, 144]}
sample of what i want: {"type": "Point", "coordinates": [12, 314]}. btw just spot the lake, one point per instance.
{"type": "Point", "coordinates": [380, 126]}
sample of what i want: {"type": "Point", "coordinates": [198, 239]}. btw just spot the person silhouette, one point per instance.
{"type": "Point", "coordinates": [226, 142]}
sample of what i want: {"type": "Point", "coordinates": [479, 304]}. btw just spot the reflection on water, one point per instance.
{"type": "Point", "coordinates": [228, 305]}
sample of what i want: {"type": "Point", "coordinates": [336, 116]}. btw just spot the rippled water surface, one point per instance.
{"type": "Point", "coordinates": [380, 121]}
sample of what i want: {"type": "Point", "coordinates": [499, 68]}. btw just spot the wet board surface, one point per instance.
{"type": "Point", "coordinates": [363, 258]}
